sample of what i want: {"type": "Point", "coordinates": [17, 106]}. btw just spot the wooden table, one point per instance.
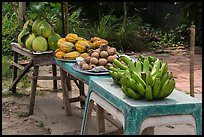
{"type": "Point", "coordinates": [67, 74]}
{"type": "Point", "coordinates": [138, 116]}
{"type": "Point", "coordinates": [37, 59]}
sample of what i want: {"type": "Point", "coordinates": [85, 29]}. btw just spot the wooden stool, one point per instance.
{"type": "Point", "coordinates": [140, 116]}
{"type": "Point", "coordinates": [37, 59]}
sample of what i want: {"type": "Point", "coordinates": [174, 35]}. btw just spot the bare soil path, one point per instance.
{"type": "Point", "coordinates": [49, 118]}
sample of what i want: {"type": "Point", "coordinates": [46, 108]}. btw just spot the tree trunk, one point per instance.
{"type": "Point", "coordinates": [125, 12]}
{"type": "Point", "coordinates": [20, 12]}
{"type": "Point", "coordinates": [66, 18]}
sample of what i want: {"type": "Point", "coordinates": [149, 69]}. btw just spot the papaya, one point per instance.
{"type": "Point", "coordinates": [39, 44]}
{"type": "Point", "coordinates": [84, 55]}
{"type": "Point", "coordinates": [60, 41]}
{"type": "Point", "coordinates": [67, 47]}
{"type": "Point", "coordinates": [52, 41]}
{"type": "Point", "coordinates": [71, 37]}
{"type": "Point", "coordinates": [100, 42]}
{"type": "Point", "coordinates": [72, 55]}
{"type": "Point", "coordinates": [93, 39]}
{"type": "Point", "coordinates": [81, 45]}
{"type": "Point", "coordinates": [29, 41]}
{"type": "Point", "coordinates": [59, 54]}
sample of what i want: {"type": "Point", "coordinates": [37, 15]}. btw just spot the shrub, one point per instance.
{"type": "Point", "coordinates": [10, 28]}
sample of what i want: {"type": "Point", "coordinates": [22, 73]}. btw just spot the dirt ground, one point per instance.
{"type": "Point", "coordinates": [14, 121]}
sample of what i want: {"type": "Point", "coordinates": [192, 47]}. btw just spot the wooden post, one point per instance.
{"type": "Point", "coordinates": [66, 18]}
{"type": "Point", "coordinates": [62, 12]}
{"type": "Point", "coordinates": [192, 51]}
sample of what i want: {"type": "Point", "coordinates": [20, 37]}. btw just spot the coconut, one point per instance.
{"type": "Point", "coordinates": [39, 44]}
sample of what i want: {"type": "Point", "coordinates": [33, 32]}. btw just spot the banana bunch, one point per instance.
{"type": "Point", "coordinates": [148, 77]}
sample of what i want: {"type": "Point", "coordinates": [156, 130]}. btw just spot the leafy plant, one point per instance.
{"type": "Point", "coordinates": [6, 71]}
{"type": "Point", "coordinates": [78, 25]}
{"type": "Point", "coordinates": [106, 27]}
{"type": "Point", "coordinates": [10, 29]}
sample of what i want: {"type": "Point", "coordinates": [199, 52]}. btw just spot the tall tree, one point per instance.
{"type": "Point", "coordinates": [20, 12]}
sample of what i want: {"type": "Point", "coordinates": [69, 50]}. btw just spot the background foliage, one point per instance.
{"type": "Point", "coordinates": [105, 19]}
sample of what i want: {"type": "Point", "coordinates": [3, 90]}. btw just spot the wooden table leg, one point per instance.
{"type": "Point", "coordinates": [33, 89]}
{"type": "Point", "coordinates": [15, 59]}
{"type": "Point", "coordinates": [81, 92]}
{"type": "Point", "coordinates": [54, 72]}
{"type": "Point", "coordinates": [69, 82]}
{"type": "Point", "coordinates": [65, 93]}
{"type": "Point", "coordinates": [17, 79]}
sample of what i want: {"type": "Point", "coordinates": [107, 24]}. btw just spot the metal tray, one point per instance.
{"type": "Point", "coordinates": [79, 69]}
{"type": "Point", "coordinates": [65, 60]}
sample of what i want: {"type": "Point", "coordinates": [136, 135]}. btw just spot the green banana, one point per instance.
{"type": "Point", "coordinates": [119, 64]}
{"type": "Point", "coordinates": [152, 59]}
{"type": "Point", "coordinates": [141, 58]}
{"type": "Point", "coordinates": [146, 65]}
{"type": "Point", "coordinates": [120, 73]}
{"type": "Point", "coordinates": [157, 64]}
{"type": "Point", "coordinates": [133, 94]}
{"type": "Point", "coordinates": [137, 78]}
{"type": "Point", "coordinates": [154, 71]}
{"type": "Point", "coordinates": [113, 68]}
{"type": "Point", "coordinates": [149, 79]}
{"type": "Point", "coordinates": [171, 87]}
{"type": "Point", "coordinates": [125, 91]}
{"type": "Point", "coordinates": [125, 59]}
{"type": "Point", "coordinates": [164, 68]}
{"type": "Point", "coordinates": [156, 88]}
{"type": "Point", "coordinates": [116, 81]}
{"type": "Point", "coordinates": [163, 89]}
{"type": "Point", "coordinates": [138, 67]}
{"type": "Point", "coordinates": [140, 89]}
{"type": "Point", "coordinates": [114, 74]}
{"type": "Point", "coordinates": [131, 82]}
{"type": "Point", "coordinates": [159, 74]}
{"type": "Point", "coordinates": [148, 92]}
{"type": "Point", "coordinates": [164, 78]}
{"type": "Point", "coordinates": [170, 75]}
{"type": "Point", "coordinates": [131, 66]}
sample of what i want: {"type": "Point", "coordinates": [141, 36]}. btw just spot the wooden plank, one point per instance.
{"type": "Point", "coordinates": [17, 65]}
{"type": "Point", "coordinates": [33, 90]}
{"type": "Point", "coordinates": [14, 76]}
{"type": "Point", "coordinates": [43, 60]}
{"type": "Point", "coordinates": [46, 77]}
{"type": "Point", "coordinates": [23, 51]}
{"type": "Point", "coordinates": [192, 51]}
{"type": "Point", "coordinates": [25, 70]}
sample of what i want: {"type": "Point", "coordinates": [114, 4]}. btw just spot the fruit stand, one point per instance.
{"type": "Point", "coordinates": [138, 93]}
{"type": "Point", "coordinates": [36, 60]}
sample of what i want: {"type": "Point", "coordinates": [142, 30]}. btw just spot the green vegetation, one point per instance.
{"type": "Point", "coordinates": [102, 19]}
